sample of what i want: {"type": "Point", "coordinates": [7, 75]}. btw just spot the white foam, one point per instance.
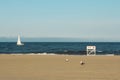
{"type": "Point", "coordinates": [16, 54]}
{"type": "Point", "coordinates": [40, 54]}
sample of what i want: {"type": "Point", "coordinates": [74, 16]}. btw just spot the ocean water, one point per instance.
{"type": "Point", "coordinates": [64, 48]}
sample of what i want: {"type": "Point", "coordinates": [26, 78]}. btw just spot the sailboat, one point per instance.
{"type": "Point", "coordinates": [19, 41]}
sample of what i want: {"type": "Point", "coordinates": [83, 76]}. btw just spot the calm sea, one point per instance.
{"type": "Point", "coordinates": [69, 48]}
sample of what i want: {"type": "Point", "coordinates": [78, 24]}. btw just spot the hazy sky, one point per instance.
{"type": "Point", "coordinates": [60, 18]}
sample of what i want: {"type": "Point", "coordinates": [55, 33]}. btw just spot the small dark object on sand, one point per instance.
{"type": "Point", "coordinates": [82, 63]}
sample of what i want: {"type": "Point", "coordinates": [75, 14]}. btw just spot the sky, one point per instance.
{"type": "Point", "coordinates": [85, 19]}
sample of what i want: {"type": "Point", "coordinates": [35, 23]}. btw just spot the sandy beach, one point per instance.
{"type": "Point", "coordinates": [54, 67]}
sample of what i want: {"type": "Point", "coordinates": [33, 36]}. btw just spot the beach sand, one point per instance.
{"type": "Point", "coordinates": [55, 67]}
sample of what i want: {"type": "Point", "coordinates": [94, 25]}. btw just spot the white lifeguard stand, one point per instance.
{"type": "Point", "coordinates": [91, 50]}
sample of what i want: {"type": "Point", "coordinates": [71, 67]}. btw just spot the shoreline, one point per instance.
{"type": "Point", "coordinates": [57, 54]}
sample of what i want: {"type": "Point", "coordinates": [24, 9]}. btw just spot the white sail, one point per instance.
{"type": "Point", "coordinates": [19, 41]}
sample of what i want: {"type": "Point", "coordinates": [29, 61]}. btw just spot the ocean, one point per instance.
{"type": "Point", "coordinates": [61, 48]}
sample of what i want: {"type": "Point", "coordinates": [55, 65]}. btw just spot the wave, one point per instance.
{"type": "Point", "coordinates": [29, 54]}
{"type": "Point", "coordinates": [41, 54]}
{"type": "Point", "coordinates": [33, 54]}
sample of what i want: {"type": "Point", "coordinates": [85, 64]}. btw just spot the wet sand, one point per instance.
{"type": "Point", "coordinates": [54, 67]}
